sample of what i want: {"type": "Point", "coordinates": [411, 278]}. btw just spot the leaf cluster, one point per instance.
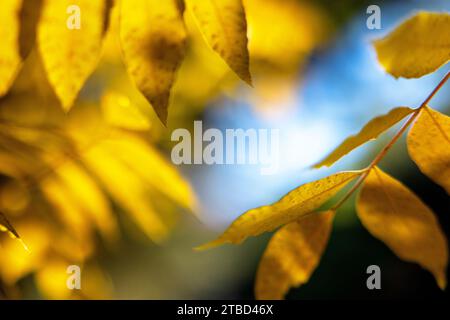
{"type": "Point", "coordinates": [389, 210]}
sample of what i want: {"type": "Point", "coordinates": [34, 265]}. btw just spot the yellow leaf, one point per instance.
{"type": "Point", "coordinates": [294, 205]}
{"type": "Point", "coordinates": [17, 35]}
{"type": "Point", "coordinates": [10, 59]}
{"type": "Point", "coordinates": [90, 198]}
{"type": "Point", "coordinates": [369, 132]}
{"type": "Point", "coordinates": [53, 277]}
{"type": "Point", "coordinates": [429, 145]}
{"type": "Point", "coordinates": [142, 159]}
{"type": "Point", "coordinates": [66, 207]}
{"type": "Point", "coordinates": [224, 27]}
{"type": "Point", "coordinates": [130, 192]}
{"type": "Point", "coordinates": [120, 112]}
{"type": "Point", "coordinates": [295, 29]}
{"type": "Point", "coordinates": [292, 255]}
{"type": "Point", "coordinates": [395, 215]}
{"type": "Point", "coordinates": [419, 46]}
{"type": "Point", "coordinates": [16, 262]}
{"type": "Point", "coordinates": [70, 54]}
{"type": "Point", "coordinates": [153, 38]}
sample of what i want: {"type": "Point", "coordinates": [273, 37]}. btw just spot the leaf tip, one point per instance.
{"type": "Point", "coordinates": [209, 245]}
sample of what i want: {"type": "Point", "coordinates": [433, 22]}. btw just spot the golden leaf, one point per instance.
{"type": "Point", "coordinates": [10, 59]}
{"type": "Point", "coordinates": [52, 280]}
{"type": "Point", "coordinates": [70, 55]}
{"type": "Point", "coordinates": [395, 215]}
{"type": "Point", "coordinates": [429, 145]}
{"type": "Point", "coordinates": [370, 131]}
{"type": "Point", "coordinates": [17, 262]}
{"type": "Point", "coordinates": [92, 203]}
{"type": "Point", "coordinates": [297, 203]}
{"type": "Point", "coordinates": [66, 207]}
{"type": "Point", "coordinates": [142, 159]}
{"type": "Point", "coordinates": [292, 255]}
{"type": "Point", "coordinates": [296, 27]}
{"type": "Point", "coordinates": [135, 198]}
{"type": "Point", "coordinates": [153, 38]}
{"type": "Point", "coordinates": [119, 111]}
{"type": "Point", "coordinates": [224, 27]}
{"type": "Point", "coordinates": [419, 46]}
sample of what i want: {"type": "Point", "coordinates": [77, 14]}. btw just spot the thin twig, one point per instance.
{"type": "Point", "coordinates": [389, 145]}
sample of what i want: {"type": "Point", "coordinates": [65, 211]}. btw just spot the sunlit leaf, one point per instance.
{"type": "Point", "coordinates": [52, 281]}
{"type": "Point", "coordinates": [283, 33]}
{"type": "Point", "coordinates": [17, 262]}
{"type": "Point", "coordinates": [90, 198]}
{"type": "Point", "coordinates": [224, 26]}
{"type": "Point", "coordinates": [142, 159]}
{"type": "Point", "coordinates": [19, 19]}
{"type": "Point", "coordinates": [70, 55]}
{"type": "Point", "coordinates": [419, 46]}
{"type": "Point", "coordinates": [10, 59]}
{"type": "Point", "coordinates": [153, 38]}
{"type": "Point", "coordinates": [429, 145]}
{"type": "Point", "coordinates": [294, 205]}
{"type": "Point", "coordinates": [395, 215]}
{"type": "Point", "coordinates": [128, 190]}
{"type": "Point", "coordinates": [120, 112]}
{"type": "Point", "coordinates": [67, 209]}
{"type": "Point", "coordinates": [369, 132]}
{"type": "Point", "coordinates": [292, 255]}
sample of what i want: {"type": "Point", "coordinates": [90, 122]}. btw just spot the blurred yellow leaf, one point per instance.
{"type": "Point", "coordinates": [120, 112]}
{"type": "Point", "coordinates": [70, 55]}
{"type": "Point", "coordinates": [224, 27]}
{"type": "Point", "coordinates": [52, 280]}
{"type": "Point", "coordinates": [14, 196]}
{"type": "Point", "coordinates": [395, 215]}
{"type": "Point", "coordinates": [369, 132]}
{"type": "Point", "coordinates": [128, 190]}
{"type": "Point", "coordinates": [153, 168]}
{"type": "Point", "coordinates": [67, 209]}
{"type": "Point", "coordinates": [10, 59]}
{"type": "Point", "coordinates": [419, 46]}
{"type": "Point", "coordinates": [91, 200]}
{"type": "Point", "coordinates": [292, 255]}
{"type": "Point", "coordinates": [297, 203]}
{"type": "Point", "coordinates": [153, 38]}
{"type": "Point", "coordinates": [429, 145]}
{"type": "Point", "coordinates": [283, 33]}
{"type": "Point", "coordinates": [17, 262]}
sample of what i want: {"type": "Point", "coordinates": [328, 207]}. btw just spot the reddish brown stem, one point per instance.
{"type": "Point", "coordinates": [389, 145]}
